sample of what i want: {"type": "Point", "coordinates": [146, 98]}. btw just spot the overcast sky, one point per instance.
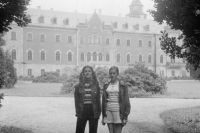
{"type": "Point", "coordinates": [108, 7]}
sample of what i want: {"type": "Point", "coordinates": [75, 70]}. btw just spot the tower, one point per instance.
{"type": "Point", "coordinates": [136, 10]}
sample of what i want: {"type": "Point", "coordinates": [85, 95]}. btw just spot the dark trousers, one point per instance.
{"type": "Point", "coordinates": [81, 123]}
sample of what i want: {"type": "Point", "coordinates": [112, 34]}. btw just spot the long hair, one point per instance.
{"type": "Point", "coordinates": [94, 77]}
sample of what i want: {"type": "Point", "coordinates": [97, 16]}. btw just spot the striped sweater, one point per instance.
{"type": "Point", "coordinates": [88, 97]}
{"type": "Point", "coordinates": [113, 100]}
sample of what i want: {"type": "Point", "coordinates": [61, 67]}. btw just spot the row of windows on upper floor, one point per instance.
{"type": "Point", "coordinates": [114, 24]}
{"type": "Point", "coordinates": [89, 56]}
{"type": "Point", "coordinates": [91, 39]}
{"type": "Point", "coordinates": [30, 73]}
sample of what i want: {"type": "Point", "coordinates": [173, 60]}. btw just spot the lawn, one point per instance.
{"type": "Point", "coordinates": [27, 88]}
{"type": "Point", "coordinates": [185, 120]}
{"type": "Point", "coordinates": [175, 89]}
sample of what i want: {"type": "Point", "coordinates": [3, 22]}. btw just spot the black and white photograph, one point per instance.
{"type": "Point", "coordinates": [99, 66]}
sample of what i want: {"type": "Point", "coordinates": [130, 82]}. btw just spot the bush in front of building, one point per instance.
{"type": "Point", "coordinates": [49, 77]}
{"type": "Point", "coordinates": [139, 79]}
{"type": "Point", "coordinates": [26, 78]}
{"type": "Point", "coordinates": [8, 77]}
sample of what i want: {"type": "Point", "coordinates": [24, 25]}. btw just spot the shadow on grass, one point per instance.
{"type": "Point", "coordinates": [145, 127]}
{"type": "Point", "coordinates": [13, 129]}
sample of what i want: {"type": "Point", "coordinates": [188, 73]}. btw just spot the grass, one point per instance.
{"type": "Point", "coordinates": [175, 89]}
{"type": "Point", "coordinates": [12, 129]}
{"type": "Point", "coordinates": [182, 120]}
{"type": "Point", "coordinates": [185, 89]}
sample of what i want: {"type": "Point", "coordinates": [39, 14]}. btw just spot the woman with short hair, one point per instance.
{"type": "Point", "coordinates": [115, 103]}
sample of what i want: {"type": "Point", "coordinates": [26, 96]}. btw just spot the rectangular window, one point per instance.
{"type": "Point", "coordinates": [29, 72]}
{"type": "Point", "coordinates": [118, 42]}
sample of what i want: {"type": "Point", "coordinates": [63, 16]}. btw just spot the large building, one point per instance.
{"type": "Point", "coordinates": [57, 41]}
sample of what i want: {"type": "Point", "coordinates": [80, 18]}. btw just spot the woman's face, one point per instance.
{"type": "Point", "coordinates": [113, 74]}
{"type": "Point", "coordinates": [87, 72]}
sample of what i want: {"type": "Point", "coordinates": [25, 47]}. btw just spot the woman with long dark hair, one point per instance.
{"type": "Point", "coordinates": [87, 101]}
{"type": "Point", "coordinates": [115, 103]}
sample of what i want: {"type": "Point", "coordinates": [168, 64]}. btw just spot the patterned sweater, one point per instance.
{"type": "Point", "coordinates": [113, 99]}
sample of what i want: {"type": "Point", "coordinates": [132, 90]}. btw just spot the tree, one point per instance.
{"type": "Point", "coordinates": [13, 11]}
{"type": "Point", "coordinates": [183, 15]}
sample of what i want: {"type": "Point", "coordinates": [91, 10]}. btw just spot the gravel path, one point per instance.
{"type": "Point", "coordinates": [57, 115]}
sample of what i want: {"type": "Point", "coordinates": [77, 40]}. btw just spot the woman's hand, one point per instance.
{"type": "Point", "coordinates": [124, 122]}
{"type": "Point", "coordinates": [102, 122]}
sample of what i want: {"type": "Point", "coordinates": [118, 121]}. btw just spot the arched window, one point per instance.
{"type": "Point", "coordinates": [149, 43]}
{"type": "Point", "coordinates": [30, 37]}
{"type": "Point", "coordinates": [100, 57]}
{"type": "Point", "coordinates": [149, 59]}
{"type": "Point", "coordinates": [88, 57]}
{"type": "Point", "coordinates": [42, 71]}
{"type": "Point", "coordinates": [99, 40]}
{"type": "Point", "coordinates": [57, 38]}
{"type": "Point", "coordinates": [42, 38]}
{"type": "Point", "coordinates": [66, 21]}
{"type": "Point", "coordinates": [29, 16]}
{"type": "Point", "coordinates": [94, 56]}
{"type": "Point", "coordinates": [42, 55]}
{"type": "Point", "coordinates": [128, 42]}
{"type": "Point", "coordinates": [41, 19]}
{"type": "Point", "coordinates": [14, 54]}
{"type": "Point", "coordinates": [69, 39]}
{"type": "Point", "coordinates": [173, 73]}
{"type": "Point", "coordinates": [140, 58]}
{"type": "Point", "coordinates": [82, 57]}
{"type": "Point", "coordinates": [94, 39]}
{"type": "Point", "coordinates": [161, 59]}
{"type": "Point", "coordinates": [107, 41]}
{"type": "Point", "coordinates": [90, 39]}
{"type": "Point", "coordinates": [81, 40]}
{"type": "Point", "coordinates": [128, 58]}
{"type": "Point", "coordinates": [58, 71]}
{"type": "Point", "coordinates": [13, 35]}
{"type": "Point", "coordinates": [30, 55]}
{"type": "Point", "coordinates": [54, 20]}
{"type": "Point", "coordinates": [69, 56]}
{"type": "Point", "coordinates": [118, 57]}
{"type": "Point", "coordinates": [57, 56]}
{"type": "Point", "coordinates": [118, 42]}
{"type": "Point", "coordinates": [140, 43]}
{"type": "Point", "coordinates": [29, 72]}
{"type": "Point", "coordinates": [107, 57]}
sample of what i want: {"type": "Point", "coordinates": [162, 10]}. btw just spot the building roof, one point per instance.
{"type": "Point", "coordinates": [136, 3]}
{"type": "Point", "coordinates": [81, 19]}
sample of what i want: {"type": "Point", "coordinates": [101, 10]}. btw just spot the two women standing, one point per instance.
{"type": "Point", "coordinates": [115, 102]}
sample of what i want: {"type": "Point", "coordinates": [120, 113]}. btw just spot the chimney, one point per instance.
{"type": "Point", "coordinates": [51, 9]}
{"type": "Point", "coordinates": [99, 11]}
{"type": "Point", "coordinates": [39, 7]}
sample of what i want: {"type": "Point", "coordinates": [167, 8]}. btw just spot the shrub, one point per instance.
{"type": "Point", "coordinates": [27, 78]}
{"type": "Point", "coordinates": [182, 120]}
{"type": "Point", "coordinates": [12, 129]}
{"type": "Point", "coordinates": [49, 77]}
{"type": "Point", "coordinates": [1, 97]}
{"type": "Point", "coordinates": [69, 84]}
{"type": "Point", "coordinates": [8, 77]}
{"type": "Point", "coordinates": [142, 80]}
{"type": "Point", "coordinates": [137, 77]}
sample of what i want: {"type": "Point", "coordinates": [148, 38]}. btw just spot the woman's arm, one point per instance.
{"type": "Point", "coordinates": [76, 97]}
{"type": "Point", "coordinates": [127, 103]}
